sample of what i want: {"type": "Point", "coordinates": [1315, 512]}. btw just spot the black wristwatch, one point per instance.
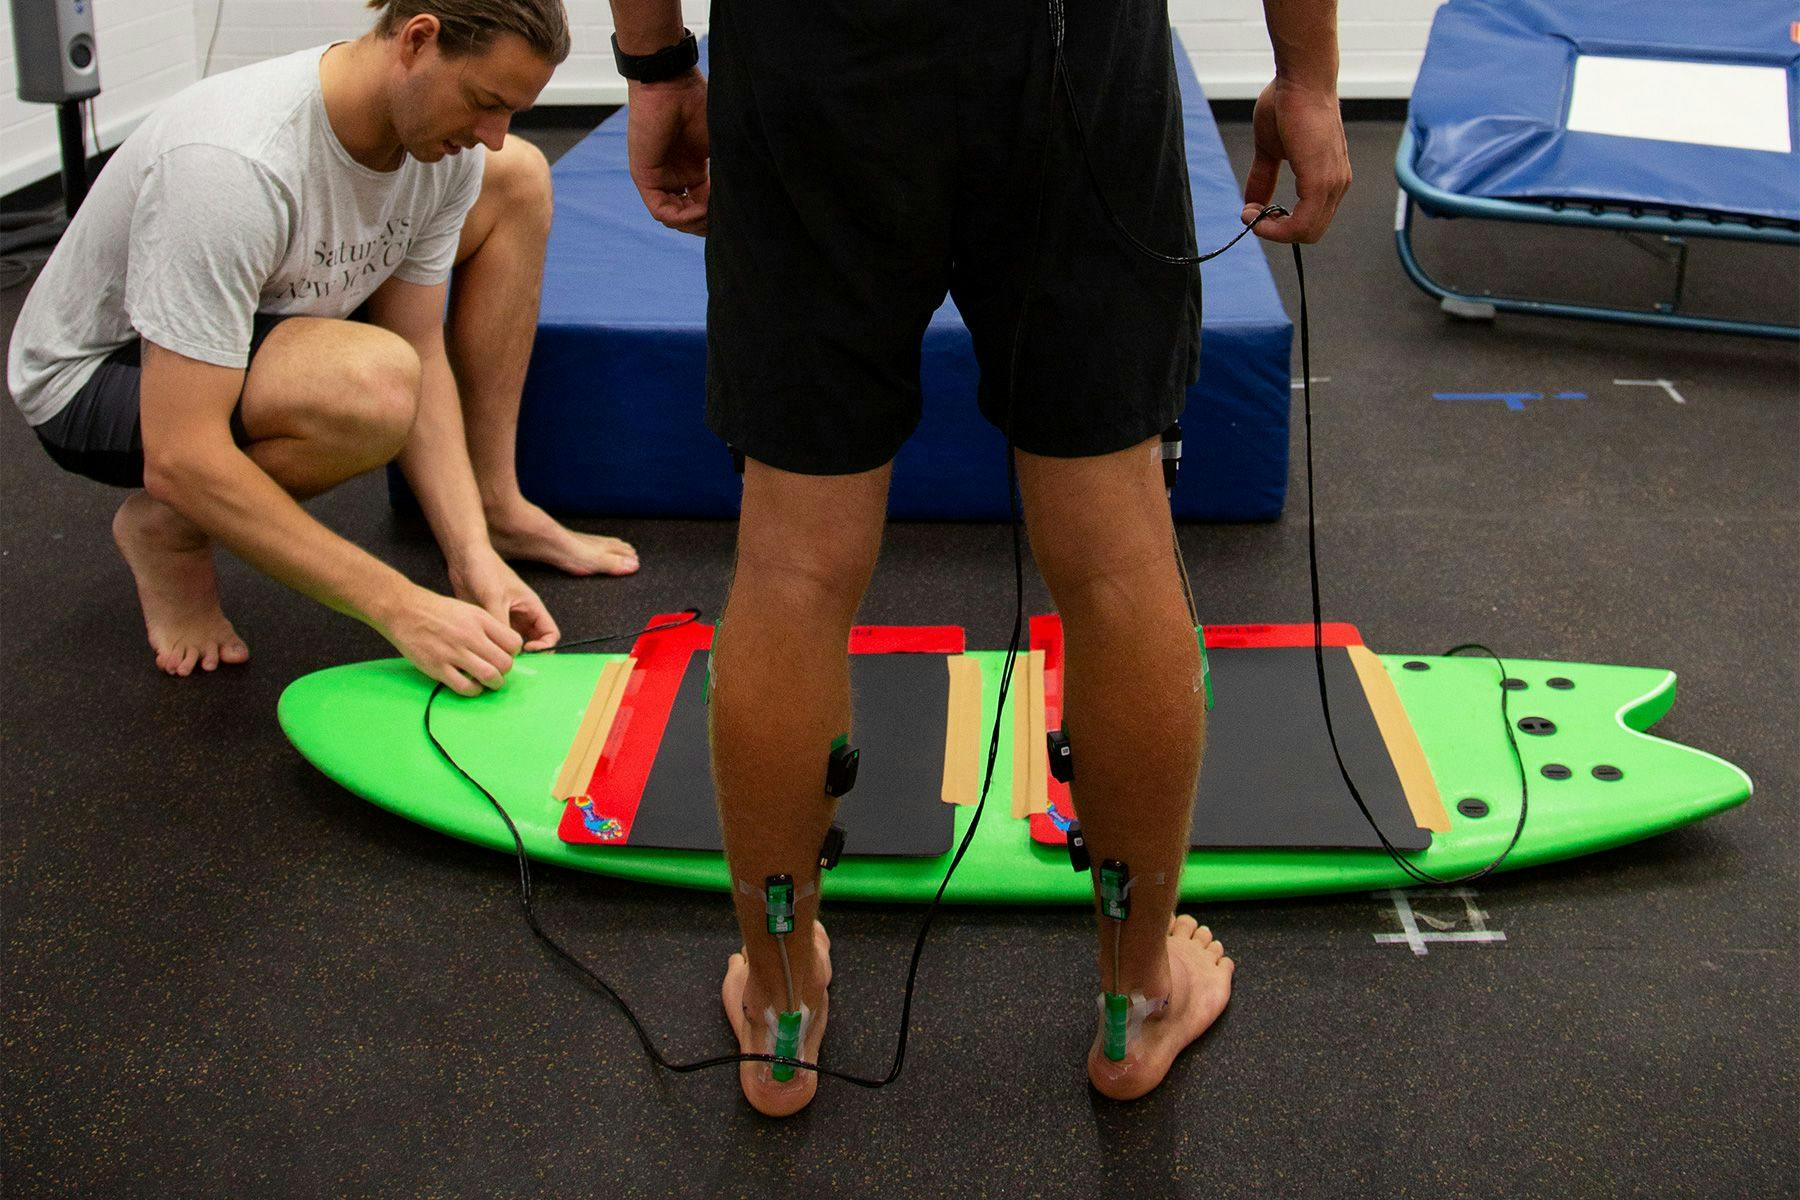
{"type": "Point", "coordinates": [667, 63]}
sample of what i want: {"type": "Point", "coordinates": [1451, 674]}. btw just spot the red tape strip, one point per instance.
{"type": "Point", "coordinates": [616, 788]}
{"type": "Point", "coordinates": [604, 813]}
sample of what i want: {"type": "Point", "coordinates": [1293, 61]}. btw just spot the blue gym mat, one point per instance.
{"type": "Point", "coordinates": [612, 420]}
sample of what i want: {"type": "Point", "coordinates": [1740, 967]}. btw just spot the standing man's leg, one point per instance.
{"type": "Point", "coordinates": [807, 546]}
{"type": "Point", "coordinates": [493, 319]}
{"type": "Point", "coordinates": [1135, 710]}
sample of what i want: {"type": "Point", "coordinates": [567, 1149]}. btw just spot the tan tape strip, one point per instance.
{"type": "Point", "coordinates": [962, 732]}
{"type": "Point", "coordinates": [590, 736]}
{"type": "Point", "coordinates": [1402, 742]}
{"type": "Point", "coordinates": [1019, 695]}
{"type": "Point", "coordinates": [1030, 792]}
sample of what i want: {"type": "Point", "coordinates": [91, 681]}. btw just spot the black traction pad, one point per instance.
{"type": "Point", "coordinates": [1269, 778]}
{"type": "Point", "coordinates": [896, 808]}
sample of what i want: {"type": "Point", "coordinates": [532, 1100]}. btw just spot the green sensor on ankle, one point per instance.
{"type": "Point", "coordinates": [787, 1042]}
{"type": "Point", "coordinates": [1118, 1022]}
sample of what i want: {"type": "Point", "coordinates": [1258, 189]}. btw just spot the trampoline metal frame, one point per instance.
{"type": "Point", "coordinates": [1674, 225]}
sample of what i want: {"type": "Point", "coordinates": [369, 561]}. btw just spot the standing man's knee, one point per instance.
{"type": "Point", "coordinates": [810, 542]}
{"type": "Point", "coordinates": [1096, 524]}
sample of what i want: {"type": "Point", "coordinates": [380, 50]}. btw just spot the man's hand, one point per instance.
{"type": "Point", "coordinates": [1304, 127]}
{"type": "Point", "coordinates": [458, 644]}
{"type": "Point", "coordinates": [665, 139]}
{"type": "Point", "coordinates": [488, 582]}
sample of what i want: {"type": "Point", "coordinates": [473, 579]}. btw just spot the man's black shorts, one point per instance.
{"type": "Point", "coordinates": [98, 433]}
{"type": "Point", "coordinates": [870, 155]}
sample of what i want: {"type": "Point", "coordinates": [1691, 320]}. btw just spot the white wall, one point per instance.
{"type": "Point", "coordinates": [146, 50]}
{"type": "Point", "coordinates": [1382, 41]}
{"type": "Point", "coordinates": [255, 29]}
{"type": "Point", "coordinates": [150, 49]}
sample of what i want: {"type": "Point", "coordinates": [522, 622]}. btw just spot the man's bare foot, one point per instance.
{"type": "Point", "coordinates": [523, 530]}
{"type": "Point", "coordinates": [745, 1012]}
{"type": "Point", "coordinates": [1200, 984]}
{"type": "Point", "coordinates": [172, 562]}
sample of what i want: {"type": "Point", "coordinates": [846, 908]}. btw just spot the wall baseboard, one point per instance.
{"type": "Point", "coordinates": [1372, 87]}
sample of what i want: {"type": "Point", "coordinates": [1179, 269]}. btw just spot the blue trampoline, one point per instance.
{"type": "Point", "coordinates": [612, 419]}
{"type": "Point", "coordinates": [1673, 119]}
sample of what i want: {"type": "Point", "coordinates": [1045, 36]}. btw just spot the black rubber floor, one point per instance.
{"type": "Point", "coordinates": [226, 977]}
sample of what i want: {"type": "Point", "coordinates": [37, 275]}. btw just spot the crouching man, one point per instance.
{"type": "Point", "coordinates": [298, 271]}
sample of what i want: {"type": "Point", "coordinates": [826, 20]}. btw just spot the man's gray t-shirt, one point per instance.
{"type": "Point", "coordinates": [233, 198]}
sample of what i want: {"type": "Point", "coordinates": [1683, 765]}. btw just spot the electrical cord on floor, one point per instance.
{"type": "Point", "coordinates": [1412, 870]}
{"type": "Point", "coordinates": [569, 959]}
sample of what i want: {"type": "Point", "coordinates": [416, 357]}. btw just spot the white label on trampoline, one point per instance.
{"type": "Point", "coordinates": [1711, 104]}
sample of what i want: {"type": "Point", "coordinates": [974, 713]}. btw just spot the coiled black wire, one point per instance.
{"type": "Point", "coordinates": [1060, 75]}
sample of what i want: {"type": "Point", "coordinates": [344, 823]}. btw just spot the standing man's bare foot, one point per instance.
{"type": "Point", "coordinates": [523, 530]}
{"type": "Point", "coordinates": [172, 562]}
{"type": "Point", "coordinates": [1200, 985]}
{"type": "Point", "coordinates": [745, 1010]}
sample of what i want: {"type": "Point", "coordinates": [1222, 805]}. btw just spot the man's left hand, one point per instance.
{"type": "Point", "coordinates": [486, 580]}
{"type": "Point", "coordinates": [1304, 127]}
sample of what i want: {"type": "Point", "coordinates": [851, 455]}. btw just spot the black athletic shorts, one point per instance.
{"type": "Point", "coordinates": [870, 155]}
{"type": "Point", "coordinates": [97, 433]}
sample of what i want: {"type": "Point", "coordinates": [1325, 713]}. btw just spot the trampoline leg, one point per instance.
{"type": "Point", "coordinates": [1455, 304]}
{"type": "Point", "coordinates": [1681, 257]}
{"type": "Point", "coordinates": [1467, 310]}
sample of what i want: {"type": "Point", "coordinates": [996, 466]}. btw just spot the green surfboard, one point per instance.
{"type": "Point", "coordinates": [363, 726]}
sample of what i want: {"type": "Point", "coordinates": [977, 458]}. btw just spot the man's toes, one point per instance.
{"type": "Point", "coordinates": [1201, 934]}
{"type": "Point", "coordinates": [1215, 950]}
{"type": "Point", "coordinates": [1183, 927]}
{"type": "Point", "coordinates": [234, 651]}
{"type": "Point", "coordinates": [209, 661]}
{"type": "Point", "coordinates": [1228, 965]}
{"type": "Point", "coordinates": [184, 664]}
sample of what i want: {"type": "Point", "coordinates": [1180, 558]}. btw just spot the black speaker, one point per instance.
{"type": "Point", "coordinates": [53, 47]}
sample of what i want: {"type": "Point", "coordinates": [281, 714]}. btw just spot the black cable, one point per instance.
{"type": "Point", "coordinates": [1006, 675]}
{"type": "Point", "coordinates": [570, 960]}
{"type": "Point", "coordinates": [1412, 871]}
{"type": "Point", "coordinates": [1058, 72]}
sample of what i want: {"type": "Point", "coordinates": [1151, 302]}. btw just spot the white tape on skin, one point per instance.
{"type": "Point", "coordinates": [801, 891]}
{"type": "Point", "coordinates": [1142, 1009]}
{"type": "Point", "coordinates": [1157, 880]}
{"type": "Point", "coordinates": [772, 1019]}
